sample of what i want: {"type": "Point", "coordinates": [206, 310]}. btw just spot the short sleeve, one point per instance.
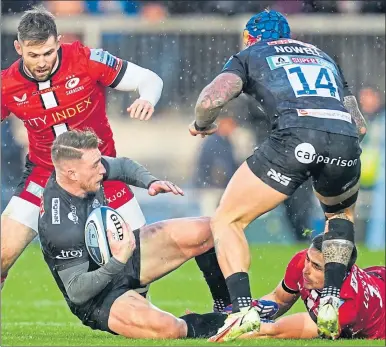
{"type": "Point", "coordinates": [294, 270]}
{"type": "Point", "coordinates": [237, 64]}
{"type": "Point", "coordinates": [104, 67]}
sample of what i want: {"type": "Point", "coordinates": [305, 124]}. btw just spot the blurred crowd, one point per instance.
{"type": "Point", "coordinates": [160, 9]}
{"type": "Point", "coordinates": [217, 159]}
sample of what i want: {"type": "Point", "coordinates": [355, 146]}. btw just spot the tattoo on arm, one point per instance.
{"type": "Point", "coordinates": [214, 96]}
{"type": "Point", "coordinates": [350, 103]}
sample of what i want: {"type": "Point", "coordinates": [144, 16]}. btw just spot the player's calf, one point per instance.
{"type": "Point", "coordinates": [133, 316]}
{"type": "Point", "coordinates": [337, 248]}
{"type": "Point", "coordinates": [15, 237]}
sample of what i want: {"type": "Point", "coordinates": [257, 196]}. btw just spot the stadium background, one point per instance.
{"type": "Point", "coordinates": [187, 43]}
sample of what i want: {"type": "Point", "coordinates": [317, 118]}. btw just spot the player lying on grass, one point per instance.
{"type": "Point", "coordinates": [57, 87]}
{"type": "Point", "coordinates": [362, 308]}
{"type": "Point", "coordinates": [108, 297]}
{"type": "Point", "coordinates": [315, 122]}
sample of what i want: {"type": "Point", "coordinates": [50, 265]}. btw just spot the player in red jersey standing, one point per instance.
{"type": "Point", "coordinates": [53, 88]}
{"type": "Point", "coordinates": [362, 297]}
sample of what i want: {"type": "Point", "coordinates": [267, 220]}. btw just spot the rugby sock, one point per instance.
{"type": "Point", "coordinates": [334, 274]}
{"type": "Point", "coordinates": [208, 264]}
{"type": "Point", "coordinates": [203, 325]}
{"type": "Point", "coordinates": [337, 247]}
{"type": "Point", "coordinates": [239, 290]}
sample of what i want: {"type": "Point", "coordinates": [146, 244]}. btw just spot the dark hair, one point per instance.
{"type": "Point", "coordinates": [37, 25]}
{"type": "Point", "coordinates": [70, 144]}
{"type": "Point", "coordinates": [317, 244]}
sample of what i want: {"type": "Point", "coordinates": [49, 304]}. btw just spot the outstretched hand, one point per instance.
{"type": "Point", "coordinates": [158, 187]}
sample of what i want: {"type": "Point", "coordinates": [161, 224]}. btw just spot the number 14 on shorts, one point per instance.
{"type": "Point", "coordinates": [312, 80]}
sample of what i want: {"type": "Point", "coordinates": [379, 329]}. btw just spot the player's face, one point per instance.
{"type": "Point", "coordinates": [90, 171]}
{"type": "Point", "coordinates": [313, 272]}
{"type": "Point", "coordinates": [39, 59]}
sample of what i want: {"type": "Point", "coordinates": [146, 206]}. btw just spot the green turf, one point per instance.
{"type": "Point", "coordinates": [34, 312]}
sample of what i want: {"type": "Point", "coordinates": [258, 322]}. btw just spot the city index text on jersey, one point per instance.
{"type": "Point", "coordinates": [58, 116]}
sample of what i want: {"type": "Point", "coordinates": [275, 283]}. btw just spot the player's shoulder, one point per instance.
{"type": "Point", "coordinates": [12, 69]}
{"type": "Point", "coordinates": [299, 258]}
{"type": "Point", "coordinates": [75, 50]}
{"type": "Point", "coordinates": [354, 283]}
{"type": "Point", "coordinates": [296, 264]}
{"type": "Point", "coordinates": [10, 75]}
{"type": "Point", "coordinates": [53, 206]}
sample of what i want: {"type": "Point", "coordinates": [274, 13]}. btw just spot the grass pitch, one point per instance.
{"type": "Point", "coordinates": [34, 313]}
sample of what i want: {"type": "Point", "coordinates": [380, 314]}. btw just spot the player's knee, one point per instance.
{"type": "Point", "coordinates": [221, 222]}
{"type": "Point", "coordinates": [14, 238]}
{"type": "Point", "coordinates": [170, 327]}
{"type": "Point", "coordinates": [133, 316]}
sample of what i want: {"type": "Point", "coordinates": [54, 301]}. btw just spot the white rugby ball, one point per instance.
{"type": "Point", "coordinates": [98, 222]}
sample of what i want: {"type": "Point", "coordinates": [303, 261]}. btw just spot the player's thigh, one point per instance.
{"type": "Point", "coordinates": [337, 184]}
{"type": "Point", "coordinates": [15, 237]}
{"type": "Point", "coordinates": [133, 316]}
{"type": "Point", "coordinates": [120, 197]}
{"type": "Point", "coordinates": [166, 245]}
{"type": "Point", "coordinates": [19, 220]}
{"type": "Point", "coordinates": [24, 206]}
{"type": "Point", "coordinates": [266, 179]}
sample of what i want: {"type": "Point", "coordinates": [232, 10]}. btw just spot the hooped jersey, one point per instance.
{"type": "Point", "coordinates": [73, 98]}
{"type": "Point", "coordinates": [363, 298]}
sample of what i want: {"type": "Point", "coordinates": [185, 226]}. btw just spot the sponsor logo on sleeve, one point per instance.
{"type": "Point", "coordinates": [55, 210]}
{"type": "Point", "coordinates": [104, 57]}
{"type": "Point", "coordinates": [35, 189]}
{"type": "Point", "coordinates": [72, 216]}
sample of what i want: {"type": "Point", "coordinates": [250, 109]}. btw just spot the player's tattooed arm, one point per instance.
{"type": "Point", "coordinates": [214, 96]}
{"type": "Point", "coordinates": [350, 103]}
{"type": "Point", "coordinates": [283, 298]}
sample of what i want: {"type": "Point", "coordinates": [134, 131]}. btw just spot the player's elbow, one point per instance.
{"type": "Point", "coordinates": [75, 298]}
{"type": "Point", "coordinates": [363, 131]}
{"type": "Point", "coordinates": [155, 80]}
{"type": "Point", "coordinates": [203, 107]}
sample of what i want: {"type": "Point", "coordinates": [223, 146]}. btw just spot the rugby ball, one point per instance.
{"type": "Point", "coordinates": [98, 222]}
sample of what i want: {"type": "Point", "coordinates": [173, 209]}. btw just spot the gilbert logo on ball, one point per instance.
{"type": "Point", "coordinates": [98, 222]}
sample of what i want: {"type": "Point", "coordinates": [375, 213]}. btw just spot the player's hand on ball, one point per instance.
{"type": "Point", "coordinates": [164, 187]}
{"type": "Point", "coordinates": [122, 249]}
{"type": "Point", "coordinates": [211, 129]}
{"type": "Point", "coordinates": [141, 109]}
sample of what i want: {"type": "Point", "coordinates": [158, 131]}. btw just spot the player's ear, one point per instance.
{"type": "Point", "coordinates": [58, 40]}
{"type": "Point", "coordinates": [72, 175]}
{"type": "Point", "coordinates": [17, 45]}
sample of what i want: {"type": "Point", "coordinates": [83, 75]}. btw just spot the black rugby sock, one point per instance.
{"type": "Point", "coordinates": [239, 290]}
{"type": "Point", "coordinates": [208, 264]}
{"type": "Point", "coordinates": [203, 325]}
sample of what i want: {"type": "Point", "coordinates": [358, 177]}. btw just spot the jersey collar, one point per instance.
{"type": "Point", "coordinates": [72, 197]}
{"type": "Point", "coordinates": [29, 78]}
